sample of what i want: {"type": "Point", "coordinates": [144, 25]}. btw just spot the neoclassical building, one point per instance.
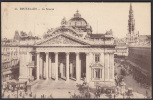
{"type": "Point", "coordinates": [69, 52]}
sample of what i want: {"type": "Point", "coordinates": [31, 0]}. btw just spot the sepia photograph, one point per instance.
{"type": "Point", "coordinates": [80, 50]}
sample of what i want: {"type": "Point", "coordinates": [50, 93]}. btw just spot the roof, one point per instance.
{"type": "Point", "coordinates": [78, 19]}
{"type": "Point", "coordinates": [144, 36]}
{"type": "Point", "coordinates": [97, 35]}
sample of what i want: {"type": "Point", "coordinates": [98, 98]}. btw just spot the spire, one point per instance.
{"type": "Point", "coordinates": [131, 21]}
{"type": "Point", "coordinates": [77, 11]}
{"type": "Point", "coordinates": [77, 14]}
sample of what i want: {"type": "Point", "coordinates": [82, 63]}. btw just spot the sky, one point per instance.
{"type": "Point", "coordinates": [101, 16]}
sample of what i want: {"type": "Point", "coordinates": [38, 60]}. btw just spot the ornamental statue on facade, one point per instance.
{"type": "Point", "coordinates": [63, 22]}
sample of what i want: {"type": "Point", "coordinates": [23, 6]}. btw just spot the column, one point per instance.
{"type": "Point", "coordinates": [30, 57]}
{"type": "Point", "coordinates": [87, 67]}
{"type": "Point", "coordinates": [106, 69]}
{"type": "Point", "coordinates": [102, 58]}
{"type": "Point", "coordinates": [47, 54]}
{"type": "Point", "coordinates": [109, 66]}
{"type": "Point", "coordinates": [67, 66]}
{"type": "Point", "coordinates": [111, 71]}
{"type": "Point", "coordinates": [113, 66]}
{"type": "Point", "coordinates": [30, 70]}
{"type": "Point", "coordinates": [50, 67]}
{"type": "Point", "coordinates": [38, 56]}
{"type": "Point", "coordinates": [77, 67]}
{"type": "Point", "coordinates": [56, 66]}
{"type": "Point", "coordinates": [40, 69]}
{"type": "Point", "coordinates": [28, 75]}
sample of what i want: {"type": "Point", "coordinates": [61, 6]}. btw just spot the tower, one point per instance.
{"type": "Point", "coordinates": [131, 25]}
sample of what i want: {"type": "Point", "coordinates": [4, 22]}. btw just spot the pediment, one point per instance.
{"type": "Point", "coordinates": [62, 40]}
{"type": "Point", "coordinates": [96, 65]}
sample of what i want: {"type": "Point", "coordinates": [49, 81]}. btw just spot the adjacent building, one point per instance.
{"type": "Point", "coordinates": [10, 59]}
{"type": "Point", "coordinates": [121, 48]}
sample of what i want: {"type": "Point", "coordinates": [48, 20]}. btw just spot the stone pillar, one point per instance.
{"type": "Point", "coordinates": [113, 66]}
{"type": "Point", "coordinates": [106, 69]}
{"type": "Point", "coordinates": [77, 67]}
{"type": "Point", "coordinates": [111, 71]}
{"type": "Point", "coordinates": [47, 55]}
{"type": "Point", "coordinates": [50, 67]}
{"type": "Point", "coordinates": [38, 56]}
{"type": "Point", "coordinates": [30, 70]}
{"type": "Point", "coordinates": [87, 67]}
{"type": "Point", "coordinates": [67, 66]}
{"type": "Point", "coordinates": [30, 57]}
{"type": "Point", "coordinates": [40, 69]}
{"type": "Point", "coordinates": [44, 69]}
{"type": "Point", "coordinates": [56, 66]}
{"type": "Point", "coordinates": [93, 57]}
{"type": "Point", "coordinates": [102, 58]}
{"type": "Point", "coordinates": [28, 75]}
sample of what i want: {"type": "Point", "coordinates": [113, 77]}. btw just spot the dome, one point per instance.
{"type": "Point", "coordinates": [77, 20]}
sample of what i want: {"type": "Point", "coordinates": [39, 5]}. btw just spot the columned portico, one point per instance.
{"type": "Point", "coordinates": [71, 65]}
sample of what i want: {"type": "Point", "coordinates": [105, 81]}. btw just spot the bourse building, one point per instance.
{"type": "Point", "coordinates": [69, 52]}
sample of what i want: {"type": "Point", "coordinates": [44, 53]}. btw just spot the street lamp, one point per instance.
{"type": "Point", "coordinates": [122, 84]}
{"type": "Point", "coordinates": [17, 88]}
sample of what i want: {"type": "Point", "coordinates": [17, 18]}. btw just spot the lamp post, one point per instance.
{"type": "Point", "coordinates": [17, 87]}
{"type": "Point", "coordinates": [122, 84]}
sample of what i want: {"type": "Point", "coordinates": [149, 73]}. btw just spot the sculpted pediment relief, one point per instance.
{"type": "Point", "coordinates": [61, 40]}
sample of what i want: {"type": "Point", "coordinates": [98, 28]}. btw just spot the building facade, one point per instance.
{"type": "Point", "coordinates": [70, 51]}
{"type": "Point", "coordinates": [121, 50]}
{"type": "Point", "coordinates": [10, 59]}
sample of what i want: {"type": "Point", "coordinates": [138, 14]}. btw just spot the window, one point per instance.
{"type": "Point", "coordinates": [97, 72]}
{"type": "Point", "coordinates": [97, 58]}
{"type": "Point", "coordinates": [33, 58]}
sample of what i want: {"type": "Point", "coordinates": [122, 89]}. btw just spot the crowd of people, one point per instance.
{"type": "Point", "coordinates": [138, 76]}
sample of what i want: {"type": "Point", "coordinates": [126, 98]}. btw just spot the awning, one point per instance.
{"type": "Point", "coordinates": [7, 72]}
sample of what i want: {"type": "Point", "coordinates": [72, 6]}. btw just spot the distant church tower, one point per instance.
{"type": "Point", "coordinates": [131, 36]}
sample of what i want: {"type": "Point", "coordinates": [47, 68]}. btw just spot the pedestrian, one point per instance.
{"type": "Point", "coordinates": [8, 96]}
{"type": "Point", "coordinates": [23, 96]}
{"type": "Point", "coordinates": [146, 93]}
{"type": "Point", "coordinates": [51, 96]}
{"type": "Point", "coordinates": [114, 96]}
